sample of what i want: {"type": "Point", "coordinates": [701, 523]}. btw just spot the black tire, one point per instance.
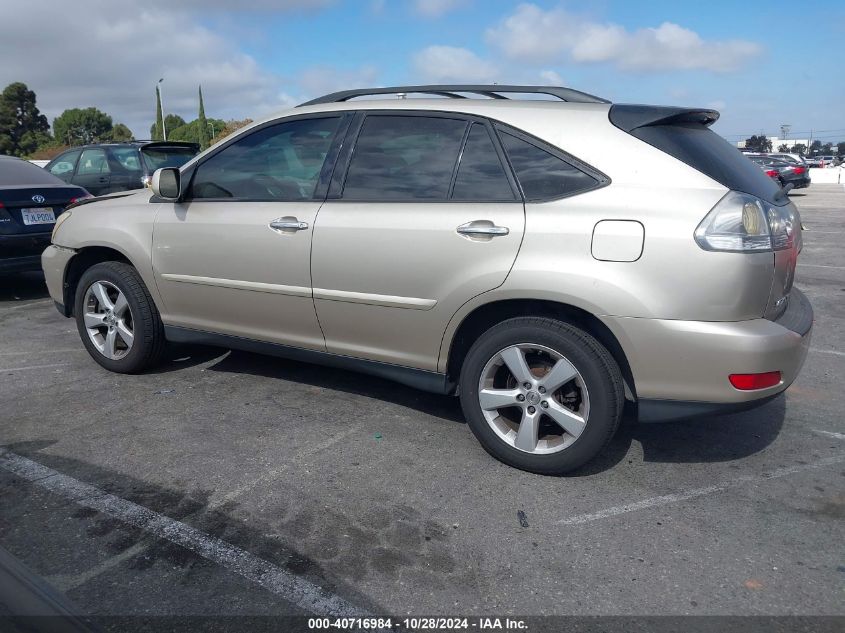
{"type": "Point", "coordinates": [597, 367]}
{"type": "Point", "coordinates": [149, 342]}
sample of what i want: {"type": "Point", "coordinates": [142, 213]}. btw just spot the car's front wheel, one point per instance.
{"type": "Point", "coordinates": [117, 319]}
{"type": "Point", "coordinates": [541, 394]}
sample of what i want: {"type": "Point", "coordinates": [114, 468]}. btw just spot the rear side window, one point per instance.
{"type": "Point", "coordinates": [93, 161]}
{"type": "Point", "coordinates": [127, 157]}
{"type": "Point", "coordinates": [480, 172]}
{"type": "Point", "coordinates": [404, 158]}
{"type": "Point", "coordinates": [542, 175]}
{"type": "Point", "coordinates": [704, 150]}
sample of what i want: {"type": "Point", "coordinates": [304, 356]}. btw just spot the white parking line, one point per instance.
{"type": "Point", "coordinates": [664, 500]}
{"type": "Point", "coordinates": [827, 351]}
{"type": "Point", "coordinates": [43, 351]}
{"type": "Point", "coordinates": [838, 436]}
{"type": "Point", "coordinates": [33, 367]}
{"type": "Point", "coordinates": [821, 266]}
{"type": "Point", "coordinates": [299, 591]}
{"type": "Point", "coordinates": [270, 475]}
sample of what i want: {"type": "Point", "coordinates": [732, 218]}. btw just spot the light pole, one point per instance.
{"type": "Point", "coordinates": [212, 128]}
{"type": "Point", "coordinates": [163, 115]}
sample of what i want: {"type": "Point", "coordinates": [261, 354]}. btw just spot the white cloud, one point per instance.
{"type": "Point", "coordinates": [320, 80]}
{"type": "Point", "coordinates": [452, 64]}
{"type": "Point", "coordinates": [117, 51]}
{"type": "Point", "coordinates": [436, 8]}
{"type": "Point", "coordinates": [552, 78]}
{"type": "Point", "coordinates": [534, 35]}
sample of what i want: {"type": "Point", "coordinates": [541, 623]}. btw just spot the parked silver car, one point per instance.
{"type": "Point", "coordinates": [544, 260]}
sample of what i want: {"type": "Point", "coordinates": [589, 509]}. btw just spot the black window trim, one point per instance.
{"type": "Point", "coordinates": [342, 170]}
{"type": "Point", "coordinates": [320, 191]}
{"type": "Point", "coordinates": [602, 179]}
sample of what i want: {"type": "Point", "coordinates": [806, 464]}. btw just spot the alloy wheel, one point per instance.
{"type": "Point", "coordinates": [108, 320]}
{"type": "Point", "coordinates": [534, 398]}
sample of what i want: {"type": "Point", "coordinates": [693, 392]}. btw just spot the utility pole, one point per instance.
{"type": "Point", "coordinates": [163, 115]}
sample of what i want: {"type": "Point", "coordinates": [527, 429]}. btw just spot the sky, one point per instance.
{"type": "Point", "coordinates": [761, 63]}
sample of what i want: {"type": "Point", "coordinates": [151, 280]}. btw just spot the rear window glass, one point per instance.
{"type": "Point", "coordinates": [706, 151]}
{"type": "Point", "coordinates": [542, 175]}
{"type": "Point", "coordinates": [158, 157]}
{"type": "Point", "coordinates": [20, 172]}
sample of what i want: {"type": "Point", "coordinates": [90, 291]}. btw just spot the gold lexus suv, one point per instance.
{"type": "Point", "coordinates": [544, 259]}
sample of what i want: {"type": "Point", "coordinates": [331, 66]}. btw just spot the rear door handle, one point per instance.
{"type": "Point", "coordinates": [288, 224]}
{"type": "Point", "coordinates": [482, 228]}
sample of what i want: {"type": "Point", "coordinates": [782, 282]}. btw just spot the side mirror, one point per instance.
{"type": "Point", "coordinates": [167, 183]}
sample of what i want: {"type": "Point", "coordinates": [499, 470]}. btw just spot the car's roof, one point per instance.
{"type": "Point", "coordinates": [137, 144]}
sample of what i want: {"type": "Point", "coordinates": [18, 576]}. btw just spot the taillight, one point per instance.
{"type": "Point", "coordinates": [78, 198]}
{"type": "Point", "coordinates": [742, 223]}
{"type": "Point", "coordinates": [799, 170]}
{"type": "Point", "coordinates": [750, 382]}
{"type": "Point", "coordinates": [772, 173]}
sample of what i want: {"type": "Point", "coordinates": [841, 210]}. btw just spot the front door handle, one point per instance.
{"type": "Point", "coordinates": [287, 224]}
{"type": "Point", "coordinates": [482, 228]}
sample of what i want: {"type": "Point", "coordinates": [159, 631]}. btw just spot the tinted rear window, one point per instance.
{"type": "Point", "coordinates": [706, 151]}
{"type": "Point", "coordinates": [158, 157]}
{"type": "Point", "coordinates": [20, 172]}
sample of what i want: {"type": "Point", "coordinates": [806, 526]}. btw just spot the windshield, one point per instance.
{"type": "Point", "coordinates": [158, 157]}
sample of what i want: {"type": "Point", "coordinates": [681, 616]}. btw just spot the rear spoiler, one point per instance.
{"type": "Point", "coordinates": [629, 117]}
{"type": "Point", "coordinates": [181, 144]}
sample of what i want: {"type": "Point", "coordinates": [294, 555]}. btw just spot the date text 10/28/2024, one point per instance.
{"type": "Point", "coordinates": [419, 624]}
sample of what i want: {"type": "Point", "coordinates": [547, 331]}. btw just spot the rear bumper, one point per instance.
{"type": "Point", "coordinates": [681, 368]}
{"type": "Point", "coordinates": [54, 261]}
{"type": "Point", "coordinates": [19, 253]}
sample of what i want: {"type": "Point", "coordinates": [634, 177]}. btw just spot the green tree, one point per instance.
{"type": "Point", "coordinates": [798, 148]}
{"type": "Point", "coordinates": [22, 127]}
{"type": "Point", "coordinates": [758, 143]}
{"type": "Point", "coordinates": [204, 137]}
{"type": "Point", "coordinates": [78, 126]}
{"type": "Point", "coordinates": [190, 132]}
{"type": "Point", "coordinates": [120, 132]}
{"type": "Point", "coordinates": [783, 147]}
{"type": "Point", "coordinates": [157, 129]}
{"type": "Point", "coordinates": [231, 126]}
{"type": "Point", "coordinates": [840, 148]}
{"type": "Point", "coordinates": [827, 148]}
{"type": "Point", "coordinates": [171, 122]}
{"type": "Point", "coordinates": [815, 147]}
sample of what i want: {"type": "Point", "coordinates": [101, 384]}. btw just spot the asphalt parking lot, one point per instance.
{"type": "Point", "coordinates": [230, 483]}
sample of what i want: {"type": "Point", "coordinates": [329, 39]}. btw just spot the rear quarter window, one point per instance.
{"type": "Point", "coordinates": [541, 174]}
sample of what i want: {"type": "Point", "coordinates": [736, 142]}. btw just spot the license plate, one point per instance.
{"type": "Point", "coordinates": [42, 215]}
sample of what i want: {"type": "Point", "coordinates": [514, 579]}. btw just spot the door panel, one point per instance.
{"type": "Point", "coordinates": [236, 258]}
{"type": "Point", "coordinates": [389, 276]}
{"type": "Point", "coordinates": [221, 268]}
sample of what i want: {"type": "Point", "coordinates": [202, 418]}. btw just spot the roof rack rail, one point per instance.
{"type": "Point", "coordinates": [493, 91]}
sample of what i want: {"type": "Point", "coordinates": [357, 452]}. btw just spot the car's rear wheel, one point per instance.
{"type": "Point", "coordinates": [117, 320]}
{"type": "Point", "coordinates": [541, 394]}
